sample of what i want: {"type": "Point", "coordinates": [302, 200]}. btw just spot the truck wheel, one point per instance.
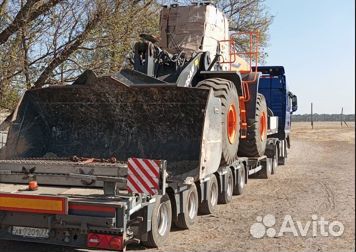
{"type": "Point", "coordinates": [283, 160]}
{"type": "Point", "coordinates": [190, 212]}
{"type": "Point", "coordinates": [240, 183]}
{"type": "Point", "coordinates": [275, 161]}
{"type": "Point", "coordinates": [226, 91]}
{"type": "Point", "coordinates": [208, 205]}
{"type": "Point", "coordinates": [226, 195]}
{"type": "Point", "coordinates": [255, 143]}
{"type": "Point", "coordinates": [161, 223]}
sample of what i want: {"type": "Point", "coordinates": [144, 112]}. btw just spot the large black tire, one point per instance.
{"type": "Point", "coordinates": [160, 229]}
{"type": "Point", "coordinates": [226, 91]}
{"type": "Point", "coordinates": [208, 205]}
{"type": "Point", "coordinates": [190, 211]}
{"type": "Point", "coordinates": [255, 143]}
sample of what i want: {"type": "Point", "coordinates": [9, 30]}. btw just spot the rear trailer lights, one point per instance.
{"type": "Point", "coordinates": [103, 241]}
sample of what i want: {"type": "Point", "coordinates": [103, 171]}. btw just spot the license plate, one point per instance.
{"type": "Point", "coordinates": [30, 232]}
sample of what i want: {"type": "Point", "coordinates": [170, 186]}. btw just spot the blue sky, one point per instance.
{"type": "Point", "coordinates": [315, 41]}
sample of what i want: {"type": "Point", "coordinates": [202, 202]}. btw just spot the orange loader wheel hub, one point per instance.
{"type": "Point", "coordinates": [232, 124]}
{"type": "Point", "coordinates": [263, 126]}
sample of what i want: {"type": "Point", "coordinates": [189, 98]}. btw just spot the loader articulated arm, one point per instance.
{"type": "Point", "coordinates": [156, 62]}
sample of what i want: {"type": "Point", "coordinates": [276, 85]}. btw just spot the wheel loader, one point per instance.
{"type": "Point", "coordinates": [114, 160]}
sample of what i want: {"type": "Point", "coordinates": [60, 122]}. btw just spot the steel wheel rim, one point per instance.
{"type": "Point", "coordinates": [269, 167]}
{"type": "Point", "coordinates": [242, 178]}
{"type": "Point", "coordinates": [162, 219]}
{"type": "Point", "coordinates": [229, 189]}
{"type": "Point", "coordinates": [263, 126]}
{"type": "Point", "coordinates": [232, 124]}
{"type": "Point", "coordinates": [214, 195]}
{"type": "Point", "coordinates": [192, 206]}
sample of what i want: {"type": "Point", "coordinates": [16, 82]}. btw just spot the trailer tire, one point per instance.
{"type": "Point", "coordinates": [226, 91]}
{"type": "Point", "coordinates": [283, 160]}
{"type": "Point", "coordinates": [190, 211]}
{"type": "Point", "coordinates": [208, 205]}
{"type": "Point", "coordinates": [240, 181]}
{"type": "Point", "coordinates": [226, 195]}
{"type": "Point", "coordinates": [255, 143]}
{"type": "Point", "coordinates": [160, 228]}
{"type": "Point", "coordinates": [266, 171]}
{"type": "Point", "coordinates": [275, 161]}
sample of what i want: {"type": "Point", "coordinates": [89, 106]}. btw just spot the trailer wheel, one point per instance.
{"type": "Point", "coordinates": [208, 205]}
{"type": "Point", "coordinates": [266, 171]}
{"type": "Point", "coordinates": [240, 183]}
{"type": "Point", "coordinates": [255, 143]}
{"type": "Point", "coordinates": [190, 211]}
{"type": "Point", "coordinates": [283, 160]}
{"type": "Point", "coordinates": [275, 161]}
{"type": "Point", "coordinates": [161, 223]}
{"type": "Point", "coordinates": [226, 195]}
{"type": "Point", "coordinates": [226, 91]}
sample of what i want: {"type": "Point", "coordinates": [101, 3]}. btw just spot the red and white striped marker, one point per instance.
{"type": "Point", "coordinates": [143, 176]}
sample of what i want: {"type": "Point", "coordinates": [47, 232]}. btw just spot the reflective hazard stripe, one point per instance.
{"type": "Point", "coordinates": [143, 176]}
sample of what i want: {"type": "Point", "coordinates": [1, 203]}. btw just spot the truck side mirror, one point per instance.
{"type": "Point", "coordinates": [294, 103]}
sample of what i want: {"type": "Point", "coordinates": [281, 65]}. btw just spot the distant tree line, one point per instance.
{"type": "Point", "coordinates": [323, 117]}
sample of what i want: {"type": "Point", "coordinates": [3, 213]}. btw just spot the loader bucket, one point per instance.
{"type": "Point", "coordinates": [105, 117]}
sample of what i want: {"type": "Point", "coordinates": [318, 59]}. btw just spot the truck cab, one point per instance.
{"type": "Point", "coordinates": [280, 101]}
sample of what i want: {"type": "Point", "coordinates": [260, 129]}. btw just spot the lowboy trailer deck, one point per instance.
{"type": "Point", "coordinates": [73, 207]}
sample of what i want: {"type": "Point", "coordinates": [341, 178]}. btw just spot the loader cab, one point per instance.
{"type": "Point", "coordinates": [185, 33]}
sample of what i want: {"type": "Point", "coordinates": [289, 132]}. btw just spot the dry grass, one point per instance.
{"type": "Point", "coordinates": [324, 131]}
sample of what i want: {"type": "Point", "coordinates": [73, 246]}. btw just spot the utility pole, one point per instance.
{"type": "Point", "coordinates": [311, 116]}
{"type": "Point", "coordinates": [341, 116]}
{"type": "Point", "coordinates": [342, 120]}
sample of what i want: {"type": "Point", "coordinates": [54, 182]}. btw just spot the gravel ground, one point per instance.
{"type": "Point", "coordinates": [318, 181]}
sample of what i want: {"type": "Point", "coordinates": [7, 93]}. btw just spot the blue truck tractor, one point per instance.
{"type": "Point", "coordinates": [281, 103]}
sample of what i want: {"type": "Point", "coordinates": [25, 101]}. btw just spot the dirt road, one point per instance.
{"type": "Point", "coordinates": [317, 182]}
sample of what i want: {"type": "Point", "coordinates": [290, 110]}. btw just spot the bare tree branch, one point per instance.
{"type": "Point", "coordinates": [25, 15]}
{"type": "Point", "coordinates": [68, 50]}
{"type": "Point", "coordinates": [3, 7]}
